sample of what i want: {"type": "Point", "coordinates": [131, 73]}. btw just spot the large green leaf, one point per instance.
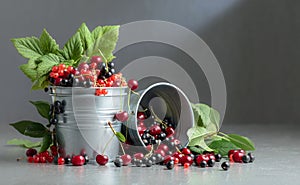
{"type": "Point", "coordinates": [106, 43]}
{"type": "Point", "coordinates": [46, 64]}
{"type": "Point", "coordinates": [30, 128]}
{"type": "Point", "coordinates": [42, 107]}
{"type": "Point", "coordinates": [86, 36]}
{"type": "Point", "coordinates": [222, 146]}
{"type": "Point", "coordinates": [47, 43]}
{"type": "Point", "coordinates": [41, 83]}
{"type": "Point", "coordinates": [28, 47]}
{"type": "Point", "coordinates": [200, 142]}
{"type": "Point", "coordinates": [73, 49]}
{"type": "Point", "coordinates": [24, 143]}
{"type": "Point", "coordinates": [97, 33]}
{"type": "Point", "coordinates": [241, 141]}
{"type": "Point", "coordinates": [47, 141]}
{"type": "Point", "coordinates": [196, 132]}
{"type": "Point", "coordinates": [29, 72]}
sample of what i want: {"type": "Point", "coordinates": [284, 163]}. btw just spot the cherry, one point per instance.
{"type": "Point", "coordinates": [141, 116]}
{"type": "Point", "coordinates": [161, 152]}
{"type": "Point", "coordinates": [96, 59]}
{"type": "Point", "coordinates": [186, 159]}
{"type": "Point", "coordinates": [60, 161]}
{"type": "Point", "coordinates": [170, 131]}
{"type": "Point", "coordinates": [201, 158]}
{"type": "Point", "coordinates": [102, 159]}
{"type": "Point", "coordinates": [139, 156]}
{"type": "Point", "coordinates": [225, 165]}
{"type": "Point", "coordinates": [168, 158]}
{"type": "Point", "coordinates": [132, 84]}
{"type": "Point", "coordinates": [164, 147]}
{"type": "Point", "coordinates": [186, 151]}
{"type": "Point", "coordinates": [141, 130]}
{"type": "Point", "coordinates": [155, 130]}
{"type": "Point", "coordinates": [31, 152]}
{"type": "Point", "coordinates": [122, 116]}
{"type": "Point", "coordinates": [78, 160]}
{"type": "Point", "coordinates": [237, 157]}
{"type": "Point", "coordinates": [126, 159]}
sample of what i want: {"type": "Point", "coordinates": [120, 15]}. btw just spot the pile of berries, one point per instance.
{"type": "Point", "coordinates": [96, 73]}
{"type": "Point", "coordinates": [240, 156]}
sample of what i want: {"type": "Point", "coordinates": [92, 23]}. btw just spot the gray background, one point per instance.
{"type": "Point", "coordinates": [255, 41]}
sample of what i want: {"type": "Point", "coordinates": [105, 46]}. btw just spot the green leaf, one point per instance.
{"type": "Point", "coordinates": [121, 137]}
{"type": "Point", "coordinates": [201, 114]}
{"type": "Point", "coordinates": [47, 43]}
{"type": "Point", "coordinates": [86, 36]}
{"type": "Point", "coordinates": [28, 47]}
{"type": "Point", "coordinates": [42, 107]}
{"type": "Point", "coordinates": [106, 43]}
{"type": "Point", "coordinates": [47, 141]}
{"type": "Point", "coordinates": [222, 146]}
{"type": "Point", "coordinates": [196, 132]}
{"type": "Point", "coordinates": [24, 143]}
{"type": "Point", "coordinates": [200, 142]}
{"type": "Point", "coordinates": [196, 149]}
{"type": "Point", "coordinates": [41, 83]}
{"type": "Point", "coordinates": [30, 128]}
{"type": "Point", "coordinates": [46, 64]}
{"type": "Point", "coordinates": [68, 62]}
{"type": "Point", "coordinates": [97, 33]}
{"type": "Point", "coordinates": [29, 72]}
{"type": "Point", "coordinates": [241, 142]}
{"type": "Point", "coordinates": [32, 63]}
{"type": "Point", "coordinates": [73, 48]}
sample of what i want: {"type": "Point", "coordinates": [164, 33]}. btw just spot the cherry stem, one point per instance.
{"type": "Point", "coordinates": [106, 145]}
{"type": "Point", "coordinates": [150, 153]}
{"type": "Point", "coordinates": [122, 148]}
{"type": "Point", "coordinates": [110, 125]}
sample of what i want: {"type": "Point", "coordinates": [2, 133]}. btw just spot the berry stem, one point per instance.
{"type": "Point", "coordinates": [156, 118]}
{"type": "Point", "coordinates": [110, 125]}
{"type": "Point", "coordinates": [122, 148]}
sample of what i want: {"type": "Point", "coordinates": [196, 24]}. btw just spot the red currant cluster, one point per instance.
{"type": "Point", "coordinates": [96, 73]}
{"type": "Point", "coordinates": [42, 157]}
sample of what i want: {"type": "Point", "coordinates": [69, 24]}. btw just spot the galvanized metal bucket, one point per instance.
{"type": "Point", "coordinates": [83, 126]}
{"type": "Point", "coordinates": [167, 100]}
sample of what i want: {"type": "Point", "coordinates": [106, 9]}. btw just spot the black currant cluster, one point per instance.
{"type": "Point", "coordinates": [106, 70]}
{"type": "Point", "coordinates": [56, 108]}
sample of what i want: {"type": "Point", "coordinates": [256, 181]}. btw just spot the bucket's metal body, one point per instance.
{"type": "Point", "coordinates": [167, 100]}
{"type": "Point", "coordinates": [83, 126]}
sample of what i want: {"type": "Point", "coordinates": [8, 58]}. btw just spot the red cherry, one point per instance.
{"type": "Point", "coordinates": [186, 159]}
{"type": "Point", "coordinates": [237, 157]}
{"type": "Point", "coordinates": [141, 129]}
{"type": "Point", "coordinates": [164, 147]}
{"type": "Point", "coordinates": [186, 151]}
{"type": "Point", "coordinates": [60, 161]}
{"type": "Point", "coordinates": [132, 84]}
{"type": "Point", "coordinates": [170, 131]}
{"type": "Point", "coordinates": [201, 158]}
{"type": "Point", "coordinates": [139, 156]}
{"type": "Point", "coordinates": [31, 152]}
{"type": "Point", "coordinates": [160, 151]}
{"type": "Point", "coordinates": [96, 59]}
{"type": "Point", "coordinates": [141, 116]}
{"type": "Point", "coordinates": [122, 116]}
{"type": "Point", "coordinates": [78, 160]}
{"type": "Point", "coordinates": [126, 159]}
{"type": "Point", "coordinates": [155, 130]}
{"type": "Point", "coordinates": [101, 159]}
{"type": "Point", "coordinates": [168, 158]}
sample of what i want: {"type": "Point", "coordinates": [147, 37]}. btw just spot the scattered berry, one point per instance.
{"type": "Point", "coordinates": [225, 165]}
{"type": "Point", "coordinates": [101, 159]}
{"type": "Point", "coordinates": [78, 160]}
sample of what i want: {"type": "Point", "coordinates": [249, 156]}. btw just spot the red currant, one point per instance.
{"type": "Point", "coordinates": [201, 158]}
{"type": "Point", "coordinates": [30, 159]}
{"type": "Point", "coordinates": [50, 159]}
{"type": "Point", "coordinates": [186, 151]}
{"type": "Point", "coordinates": [186, 159]}
{"type": "Point", "coordinates": [60, 161]}
{"type": "Point", "coordinates": [36, 159]}
{"type": "Point", "coordinates": [55, 69]}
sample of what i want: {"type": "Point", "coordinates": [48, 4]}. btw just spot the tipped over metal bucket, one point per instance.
{"type": "Point", "coordinates": [167, 101]}
{"type": "Point", "coordinates": [83, 125]}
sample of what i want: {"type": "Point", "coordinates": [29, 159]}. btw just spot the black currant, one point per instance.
{"type": "Point", "coordinates": [138, 162]}
{"type": "Point", "coordinates": [46, 89]}
{"type": "Point", "coordinates": [86, 159]}
{"type": "Point", "coordinates": [252, 157]}
{"type": "Point", "coordinates": [218, 157]}
{"type": "Point", "coordinates": [246, 159]}
{"type": "Point", "coordinates": [68, 160]}
{"type": "Point", "coordinates": [112, 71]}
{"type": "Point", "coordinates": [57, 103]}
{"type": "Point", "coordinates": [53, 121]}
{"type": "Point", "coordinates": [170, 164]}
{"type": "Point", "coordinates": [225, 165]}
{"type": "Point", "coordinates": [111, 65]}
{"type": "Point", "coordinates": [203, 164]}
{"type": "Point", "coordinates": [63, 103]}
{"type": "Point", "coordinates": [118, 162]}
{"type": "Point", "coordinates": [211, 162]}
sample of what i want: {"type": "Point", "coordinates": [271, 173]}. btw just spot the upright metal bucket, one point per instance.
{"type": "Point", "coordinates": [83, 126]}
{"type": "Point", "coordinates": [167, 100]}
